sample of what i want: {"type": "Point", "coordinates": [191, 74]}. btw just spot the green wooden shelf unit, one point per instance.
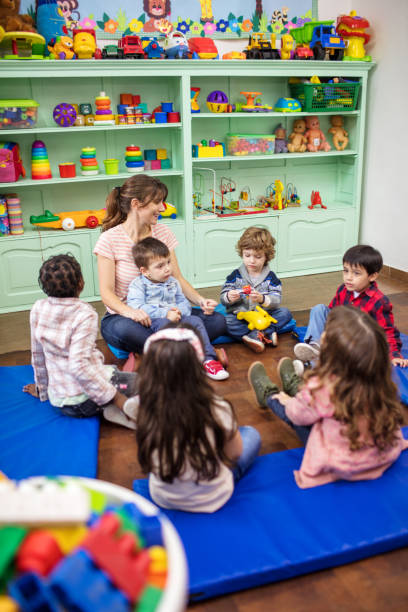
{"type": "Point", "coordinates": [308, 241]}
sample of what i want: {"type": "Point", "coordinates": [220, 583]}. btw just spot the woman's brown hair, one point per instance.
{"type": "Point", "coordinates": [354, 360]}
{"type": "Point", "coordinates": [142, 187]}
{"type": "Point", "coordinates": [176, 416]}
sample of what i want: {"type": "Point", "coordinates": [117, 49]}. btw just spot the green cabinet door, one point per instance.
{"type": "Point", "coordinates": [215, 254]}
{"type": "Point", "coordinates": [314, 240]}
{"type": "Point", "coordinates": [21, 259]}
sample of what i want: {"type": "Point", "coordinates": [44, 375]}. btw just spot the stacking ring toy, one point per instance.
{"type": "Point", "coordinates": [64, 115]}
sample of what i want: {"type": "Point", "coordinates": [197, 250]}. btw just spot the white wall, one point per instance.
{"type": "Point", "coordinates": [385, 186]}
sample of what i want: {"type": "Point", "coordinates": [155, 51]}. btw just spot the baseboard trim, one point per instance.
{"type": "Point", "coordinates": [395, 273]}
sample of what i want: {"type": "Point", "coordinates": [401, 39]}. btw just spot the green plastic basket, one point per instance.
{"type": "Point", "coordinates": [326, 97]}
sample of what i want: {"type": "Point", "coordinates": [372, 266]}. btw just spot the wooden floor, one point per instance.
{"type": "Point", "coordinates": [376, 584]}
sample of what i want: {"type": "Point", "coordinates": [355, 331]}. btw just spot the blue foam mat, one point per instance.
{"type": "Point", "coordinates": [36, 439]}
{"type": "Point", "coordinates": [271, 530]}
{"type": "Point", "coordinates": [399, 375]}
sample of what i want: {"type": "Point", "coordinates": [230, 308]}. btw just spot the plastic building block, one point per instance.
{"type": "Point", "coordinates": [118, 555]}
{"type": "Point", "coordinates": [79, 585]}
{"type": "Point", "coordinates": [161, 154]}
{"type": "Point", "coordinates": [160, 117]}
{"type": "Point", "coordinates": [165, 163]}
{"type": "Point", "coordinates": [148, 165]}
{"type": "Point", "coordinates": [127, 99]}
{"type": "Point", "coordinates": [32, 594]}
{"type": "Point", "coordinates": [149, 599]}
{"type": "Point", "coordinates": [39, 553]}
{"type": "Point", "coordinates": [29, 503]}
{"type": "Point", "coordinates": [150, 526]}
{"type": "Point", "coordinates": [68, 538]}
{"type": "Point", "coordinates": [10, 540]}
{"type": "Point", "coordinates": [7, 604]}
{"type": "Point", "coordinates": [150, 154]}
{"type": "Point", "coordinates": [156, 164]}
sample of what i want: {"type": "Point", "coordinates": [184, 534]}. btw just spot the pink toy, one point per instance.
{"type": "Point", "coordinates": [316, 140]}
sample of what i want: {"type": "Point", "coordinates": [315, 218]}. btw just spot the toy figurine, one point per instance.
{"type": "Point", "coordinates": [256, 319]}
{"type": "Point", "coordinates": [316, 140]}
{"type": "Point", "coordinates": [279, 188]}
{"type": "Point", "coordinates": [297, 139]}
{"type": "Point", "coordinates": [340, 136]}
{"type": "Point", "coordinates": [316, 200]}
{"type": "Point", "coordinates": [352, 28]}
{"type": "Point", "coordinates": [281, 144]}
{"type": "Point", "coordinates": [61, 48]}
{"type": "Point", "coordinates": [287, 44]}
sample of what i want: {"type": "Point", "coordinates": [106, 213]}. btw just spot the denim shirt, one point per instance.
{"type": "Point", "coordinates": [156, 299]}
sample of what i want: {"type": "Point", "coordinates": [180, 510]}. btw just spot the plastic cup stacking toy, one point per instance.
{"type": "Point", "coordinates": [15, 214]}
{"type": "Point", "coordinates": [89, 164]}
{"type": "Point", "coordinates": [64, 115]}
{"type": "Point", "coordinates": [103, 114]}
{"type": "Point", "coordinates": [111, 166]}
{"type": "Point", "coordinates": [67, 170]}
{"type": "Point", "coordinates": [40, 165]}
{"type": "Point", "coordinates": [134, 159]}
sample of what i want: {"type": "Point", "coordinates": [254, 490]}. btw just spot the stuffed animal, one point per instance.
{"type": "Point", "coordinates": [340, 136]}
{"type": "Point", "coordinates": [61, 47]}
{"type": "Point", "coordinates": [280, 139]}
{"type": "Point", "coordinates": [297, 138]}
{"type": "Point", "coordinates": [316, 140]}
{"type": "Point", "coordinates": [11, 21]}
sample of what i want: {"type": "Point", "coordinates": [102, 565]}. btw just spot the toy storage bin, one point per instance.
{"type": "Point", "coordinates": [18, 114]}
{"type": "Point", "coordinates": [326, 97]}
{"type": "Point", "coordinates": [250, 144]}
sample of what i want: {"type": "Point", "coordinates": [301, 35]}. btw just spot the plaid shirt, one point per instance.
{"type": "Point", "coordinates": [377, 305]}
{"type": "Point", "coordinates": [64, 356]}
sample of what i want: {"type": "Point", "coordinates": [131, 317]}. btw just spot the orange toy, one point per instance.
{"type": "Point", "coordinates": [340, 136]}
{"type": "Point", "coordinates": [316, 140]}
{"type": "Point", "coordinates": [297, 140]}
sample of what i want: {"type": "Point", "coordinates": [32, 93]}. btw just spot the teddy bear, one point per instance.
{"type": "Point", "coordinates": [297, 138]}
{"type": "Point", "coordinates": [10, 19]}
{"type": "Point", "coordinates": [340, 135]}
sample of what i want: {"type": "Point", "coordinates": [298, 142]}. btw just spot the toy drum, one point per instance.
{"type": "Point", "coordinates": [67, 170]}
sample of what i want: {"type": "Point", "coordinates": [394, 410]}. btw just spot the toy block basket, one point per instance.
{"type": "Point", "coordinates": [326, 97]}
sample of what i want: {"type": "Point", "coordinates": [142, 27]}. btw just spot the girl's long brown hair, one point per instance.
{"type": "Point", "coordinates": [144, 188]}
{"type": "Point", "coordinates": [176, 414]}
{"type": "Point", "coordinates": [354, 360]}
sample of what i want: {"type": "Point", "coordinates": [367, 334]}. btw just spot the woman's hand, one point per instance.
{"type": "Point", "coordinates": [207, 305]}
{"type": "Point", "coordinates": [138, 315]}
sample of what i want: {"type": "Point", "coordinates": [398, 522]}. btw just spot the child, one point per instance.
{"type": "Point", "coordinates": [187, 436]}
{"type": "Point", "coordinates": [256, 247]}
{"type": "Point", "coordinates": [361, 267]}
{"type": "Point", "coordinates": [68, 368]}
{"type": "Point", "coordinates": [347, 412]}
{"type": "Point", "coordinates": [159, 295]}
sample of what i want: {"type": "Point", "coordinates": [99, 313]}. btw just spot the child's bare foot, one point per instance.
{"type": "Point", "coordinates": [31, 389]}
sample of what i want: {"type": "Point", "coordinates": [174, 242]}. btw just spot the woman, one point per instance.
{"type": "Point", "coordinates": [132, 214]}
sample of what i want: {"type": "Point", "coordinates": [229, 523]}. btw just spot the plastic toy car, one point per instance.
{"type": "Point", "coordinates": [234, 55]}
{"type": "Point", "coordinates": [176, 46]}
{"type": "Point", "coordinates": [69, 220]}
{"type": "Point", "coordinates": [288, 105]}
{"type": "Point", "coordinates": [170, 211]}
{"type": "Point", "coordinates": [131, 46]}
{"type": "Point", "coordinates": [110, 52]}
{"type": "Point", "coordinates": [202, 48]}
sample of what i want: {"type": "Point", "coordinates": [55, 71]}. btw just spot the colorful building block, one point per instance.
{"type": "Point", "coordinates": [160, 117]}
{"type": "Point", "coordinates": [10, 540]}
{"type": "Point", "coordinates": [156, 164]}
{"type": "Point", "coordinates": [39, 553]}
{"type": "Point", "coordinates": [32, 594]}
{"type": "Point", "coordinates": [161, 153]}
{"type": "Point", "coordinates": [165, 164]}
{"type": "Point", "coordinates": [150, 154]}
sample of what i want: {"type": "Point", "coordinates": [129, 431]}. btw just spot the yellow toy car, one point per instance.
{"type": "Point", "coordinates": [69, 220]}
{"type": "Point", "coordinates": [170, 211]}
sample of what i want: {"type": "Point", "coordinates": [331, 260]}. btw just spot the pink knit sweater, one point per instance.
{"type": "Point", "coordinates": [328, 456]}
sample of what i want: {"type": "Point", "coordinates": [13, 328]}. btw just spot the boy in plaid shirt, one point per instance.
{"type": "Point", "coordinates": [361, 267]}
{"type": "Point", "coordinates": [68, 368]}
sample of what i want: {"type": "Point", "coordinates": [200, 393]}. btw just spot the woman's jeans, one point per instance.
{"type": "Point", "coordinates": [277, 408]}
{"type": "Point", "coordinates": [251, 444]}
{"type": "Point", "coordinates": [238, 328]}
{"type": "Point", "coordinates": [126, 334]}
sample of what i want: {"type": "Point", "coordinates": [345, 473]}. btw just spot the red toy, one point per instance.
{"type": "Point", "coordinates": [131, 46]}
{"type": "Point", "coordinates": [202, 48]}
{"type": "Point", "coordinates": [38, 553]}
{"type": "Point", "coordinates": [316, 200]}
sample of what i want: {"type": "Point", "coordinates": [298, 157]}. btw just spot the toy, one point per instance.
{"type": "Point", "coordinates": [316, 140]}
{"type": "Point", "coordinates": [110, 52]}
{"type": "Point", "coordinates": [89, 164]}
{"type": "Point", "coordinates": [4, 220]}
{"type": "Point", "coordinates": [61, 48]}
{"type": "Point", "coordinates": [212, 149]}
{"type": "Point", "coordinates": [18, 114]}
{"type": "Point", "coordinates": [217, 102]}
{"type": "Point", "coordinates": [21, 45]}
{"type": "Point", "coordinates": [111, 165]}
{"type": "Point", "coordinates": [153, 50]}
{"type": "Point", "coordinates": [287, 44]}
{"type": "Point", "coordinates": [281, 144]}
{"type": "Point", "coordinates": [234, 55]}
{"type": "Point", "coordinates": [256, 319]}
{"type": "Point", "coordinates": [169, 211]}
{"type": "Point", "coordinates": [64, 115]}
{"type": "Point", "coordinates": [250, 144]}
{"type": "Point", "coordinates": [194, 91]}
{"type": "Point", "coordinates": [288, 105]}
{"type": "Point", "coordinates": [84, 42]}
{"type": "Point", "coordinates": [340, 135]}
{"type": "Point", "coordinates": [67, 169]}
{"type": "Point", "coordinates": [292, 199]}
{"type": "Point", "coordinates": [134, 159]}
{"type": "Point", "coordinates": [103, 114]}
{"type": "Point", "coordinates": [279, 188]}
{"type": "Point", "coordinates": [260, 48]}
{"type": "Point", "coordinates": [15, 214]}
{"type": "Point", "coordinates": [351, 28]}
{"type": "Point", "coordinates": [69, 220]}
{"type": "Point", "coordinates": [202, 48]}
{"type": "Point", "coordinates": [176, 46]}
{"type": "Point", "coordinates": [297, 139]}
{"type": "Point", "coordinates": [38, 553]}
{"type": "Point", "coordinates": [316, 200]}
{"type": "Point", "coordinates": [40, 165]}
{"type": "Point", "coordinates": [251, 105]}
{"type": "Point", "coordinates": [318, 38]}
{"type": "Point", "coordinates": [130, 46]}
{"type": "Point", "coordinates": [10, 19]}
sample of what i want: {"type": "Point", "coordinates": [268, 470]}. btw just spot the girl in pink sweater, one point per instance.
{"type": "Point", "coordinates": [347, 410]}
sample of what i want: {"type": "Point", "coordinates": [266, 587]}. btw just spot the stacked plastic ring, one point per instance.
{"type": "Point", "coordinates": [40, 165]}
{"type": "Point", "coordinates": [89, 164]}
{"type": "Point", "coordinates": [134, 159]}
{"type": "Point", "coordinates": [103, 114]}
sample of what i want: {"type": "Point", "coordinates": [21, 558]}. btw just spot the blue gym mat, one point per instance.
{"type": "Point", "coordinates": [36, 439]}
{"type": "Point", "coordinates": [271, 530]}
{"type": "Point", "coordinates": [399, 375]}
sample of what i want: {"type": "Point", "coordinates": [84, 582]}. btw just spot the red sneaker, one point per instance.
{"type": "Point", "coordinates": [214, 370]}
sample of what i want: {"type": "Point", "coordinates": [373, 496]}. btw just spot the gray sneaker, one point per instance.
{"type": "Point", "coordinates": [260, 383]}
{"type": "Point", "coordinates": [307, 351]}
{"type": "Point", "coordinates": [287, 373]}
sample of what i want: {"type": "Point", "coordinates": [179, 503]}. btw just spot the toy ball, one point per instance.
{"type": "Point", "coordinates": [217, 102]}
{"type": "Point", "coordinates": [288, 105]}
{"type": "Point", "coordinates": [64, 115]}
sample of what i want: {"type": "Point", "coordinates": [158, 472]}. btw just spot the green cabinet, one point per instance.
{"type": "Point", "coordinates": [308, 241]}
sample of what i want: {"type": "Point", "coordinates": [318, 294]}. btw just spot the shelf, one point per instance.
{"type": "Point", "coordinates": [88, 128]}
{"type": "Point", "coordinates": [271, 114]}
{"type": "Point", "coordinates": [86, 179]}
{"type": "Point", "coordinates": [277, 156]}
{"type": "Point", "coordinates": [292, 210]}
